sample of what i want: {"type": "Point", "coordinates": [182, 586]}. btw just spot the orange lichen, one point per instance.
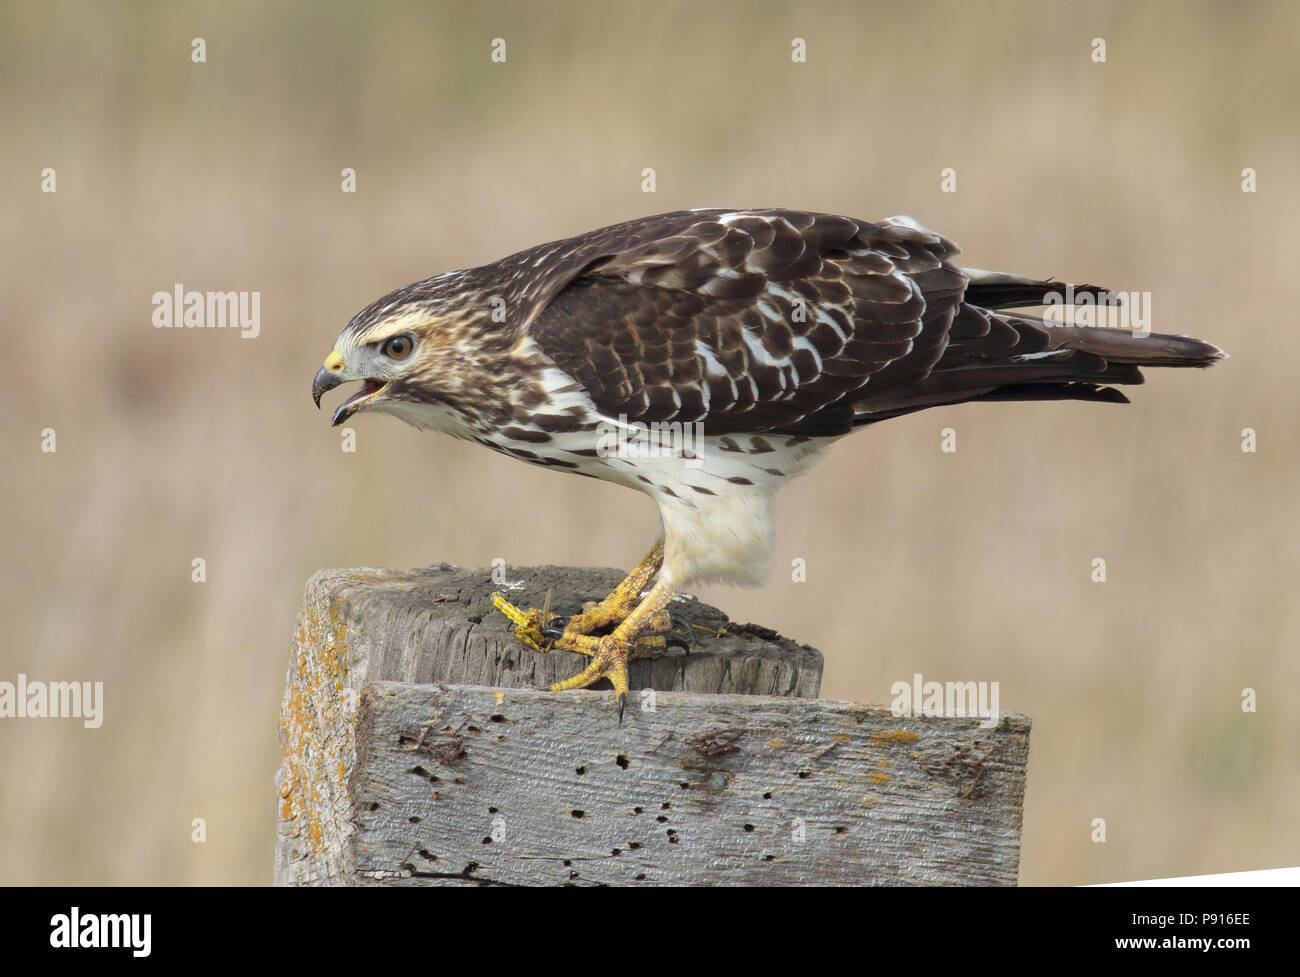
{"type": "Point", "coordinates": [879, 778]}
{"type": "Point", "coordinates": [894, 737]}
{"type": "Point", "coordinates": [312, 703]}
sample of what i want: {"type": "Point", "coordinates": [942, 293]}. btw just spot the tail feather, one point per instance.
{"type": "Point", "coordinates": [1003, 290]}
{"type": "Point", "coordinates": [993, 290]}
{"type": "Point", "coordinates": [1057, 391]}
{"type": "Point", "coordinates": [995, 356]}
{"type": "Point", "coordinates": [1121, 346]}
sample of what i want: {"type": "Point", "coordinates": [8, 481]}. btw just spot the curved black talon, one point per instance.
{"type": "Point", "coordinates": [622, 701]}
{"type": "Point", "coordinates": [679, 636]}
{"type": "Point", "coordinates": [552, 630]}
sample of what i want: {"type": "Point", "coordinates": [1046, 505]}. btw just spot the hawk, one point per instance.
{"type": "Point", "coordinates": [706, 358]}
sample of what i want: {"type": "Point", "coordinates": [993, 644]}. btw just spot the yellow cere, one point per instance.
{"type": "Point", "coordinates": [334, 361]}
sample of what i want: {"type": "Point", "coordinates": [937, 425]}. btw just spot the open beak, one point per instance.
{"type": "Point", "coordinates": [328, 377]}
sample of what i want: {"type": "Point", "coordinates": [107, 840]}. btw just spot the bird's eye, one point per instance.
{"type": "Point", "coordinates": [398, 348]}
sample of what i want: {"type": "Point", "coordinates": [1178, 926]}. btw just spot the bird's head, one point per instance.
{"type": "Point", "coordinates": [411, 350]}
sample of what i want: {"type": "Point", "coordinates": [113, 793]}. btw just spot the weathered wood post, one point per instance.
{"type": "Point", "coordinates": [418, 750]}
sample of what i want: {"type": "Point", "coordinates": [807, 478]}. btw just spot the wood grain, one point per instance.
{"type": "Point", "coordinates": [437, 625]}
{"type": "Point", "coordinates": [467, 785]}
{"type": "Point", "coordinates": [419, 750]}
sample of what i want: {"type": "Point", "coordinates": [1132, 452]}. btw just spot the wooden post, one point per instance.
{"type": "Point", "coordinates": [419, 749]}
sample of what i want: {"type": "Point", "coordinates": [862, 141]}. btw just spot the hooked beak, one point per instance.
{"type": "Point", "coordinates": [330, 376]}
{"type": "Point", "coordinates": [326, 380]}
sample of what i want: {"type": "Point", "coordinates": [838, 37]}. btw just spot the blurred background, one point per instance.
{"type": "Point", "coordinates": [174, 444]}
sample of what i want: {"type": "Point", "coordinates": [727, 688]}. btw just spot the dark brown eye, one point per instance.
{"type": "Point", "coordinates": [398, 348]}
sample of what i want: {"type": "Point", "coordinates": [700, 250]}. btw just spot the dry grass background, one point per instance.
{"type": "Point", "coordinates": [177, 443]}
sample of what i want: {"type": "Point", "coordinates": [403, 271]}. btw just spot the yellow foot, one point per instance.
{"type": "Point", "coordinates": [610, 612]}
{"type": "Point", "coordinates": [531, 627]}
{"type": "Point", "coordinates": [625, 598]}
{"type": "Point", "coordinates": [608, 656]}
{"type": "Point", "coordinates": [608, 653]}
{"type": "Point", "coordinates": [528, 624]}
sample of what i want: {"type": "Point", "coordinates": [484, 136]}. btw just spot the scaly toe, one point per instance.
{"type": "Point", "coordinates": [608, 660]}
{"type": "Point", "coordinates": [530, 625]}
